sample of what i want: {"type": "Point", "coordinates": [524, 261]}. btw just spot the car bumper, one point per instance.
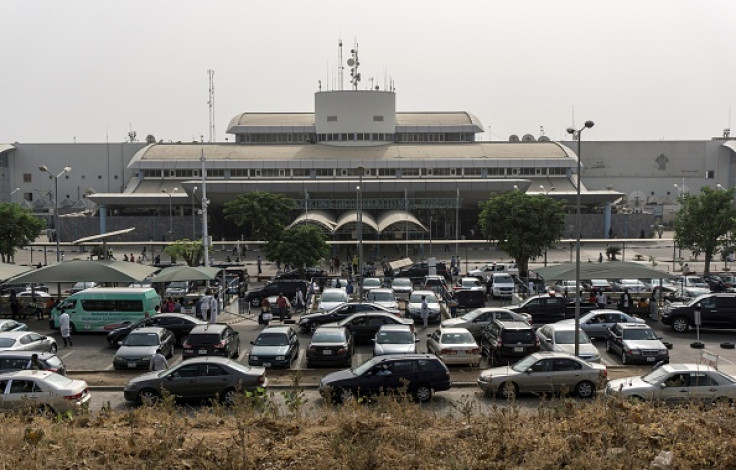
{"type": "Point", "coordinates": [472, 359]}
{"type": "Point", "coordinates": [187, 353]}
{"type": "Point", "coordinates": [320, 359]}
{"type": "Point", "coordinates": [269, 362]}
{"type": "Point", "coordinates": [131, 364]}
{"type": "Point", "coordinates": [639, 359]}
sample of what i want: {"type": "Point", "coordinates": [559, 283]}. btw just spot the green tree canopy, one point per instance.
{"type": "Point", "coordinates": [523, 225]}
{"type": "Point", "coordinates": [18, 227]}
{"type": "Point", "coordinates": [267, 214]}
{"type": "Point", "coordinates": [300, 246]}
{"type": "Point", "coordinates": [703, 219]}
{"type": "Point", "coordinates": [190, 251]}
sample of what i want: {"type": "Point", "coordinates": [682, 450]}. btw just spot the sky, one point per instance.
{"type": "Point", "coordinates": [94, 70]}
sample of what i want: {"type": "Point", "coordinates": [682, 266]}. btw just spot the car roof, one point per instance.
{"type": "Point", "coordinates": [28, 354]}
{"type": "Point", "coordinates": [604, 310]}
{"type": "Point", "coordinates": [204, 328]}
{"type": "Point", "coordinates": [276, 329]}
{"type": "Point", "coordinates": [148, 330]}
{"type": "Point", "coordinates": [555, 354]}
{"type": "Point", "coordinates": [514, 324]}
{"type": "Point", "coordinates": [423, 292]}
{"type": "Point", "coordinates": [42, 374]}
{"type": "Point", "coordinates": [683, 367]}
{"type": "Point", "coordinates": [382, 289]}
{"type": "Point", "coordinates": [216, 359]}
{"type": "Point", "coordinates": [631, 326]}
{"type": "Point", "coordinates": [400, 327]}
{"type": "Point", "coordinates": [333, 289]}
{"type": "Point", "coordinates": [454, 329]}
{"type": "Point", "coordinates": [16, 334]}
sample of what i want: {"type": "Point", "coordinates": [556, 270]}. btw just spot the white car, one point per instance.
{"type": "Point", "coordinates": [414, 306]}
{"type": "Point", "coordinates": [395, 339]}
{"type": "Point", "coordinates": [42, 390]}
{"type": "Point", "coordinates": [371, 283]}
{"type": "Point", "coordinates": [561, 337]}
{"type": "Point", "coordinates": [402, 287]}
{"type": "Point", "coordinates": [632, 285]}
{"type": "Point", "coordinates": [454, 346]}
{"type": "Point", "coordinates": [331, 297]}
{"type": "Point", "coordinates": [383, 297]}
{"type": "Point", "coordinates": [469, 283]}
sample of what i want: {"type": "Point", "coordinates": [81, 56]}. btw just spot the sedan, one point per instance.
{"type": "Point", "coordinates": [310, 322]}
{"type": "Point", "coordinates": [597, 322]}
{"type": "Point", "coordinates": [43, 391]}
{"type": "Point", "coordinates": [364, 326]}
{"type": "Point", "coordinates": [414, 306]}
{"type": "Point", "coordinates": [544, 372]}
{"type": "Point", "coordinates": [331, 298]}
{"type": "Point", "coordinates": [454, 346]}
{"type": "Point", "coordinates": [275, 346]}
{"type": "Point", "coordinates": [561, 338]}
{"type": "Point", "coordinates": [177, 323]}
{"type": "Point", "coordinates": [476, 320]}
{"type": "Point", "coordinates": [371, 283]}
{"type": "Point", "coordinates": [12, 325]}
{"type": "Point", "coordinates": [395, 339]}
{"type": "Point", "coordinates": [330, 346]}
{"type": "Point", "coordinates": [469, 283]}
{"type": "Point", "coordinates": [402, 287]}
{"type": "Point", "coordinates": [201, 377]}
{"type": "Point", "coordinates": [633, 285]}
{"type": "Point", "coordinates": [636, 343]}
{"type": "Point", "coordinates": [140, 345]}
{"type": "Point", "coordinates": [26, 341]}
{"type": "Point", "coordinates": [677, 383]}
{"type": "Point", "coordinates": [383, 297]}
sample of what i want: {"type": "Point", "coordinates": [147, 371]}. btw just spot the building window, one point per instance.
{"type": "Point", "coordinates": [386, 172]}
{"type": "Point", "coordinates": [324, 172]}
{"type": "Point", "coordinates": [239, 173]}
{"type": "Point", "coordinates": [215, 173]}
{"type": "Point", "coordinates": [472, 172]}
{"type": "Point", "coordinates": [410, 172]}
{"type": "Point", "coordinates": [527, 171]}
{"type": "Point", "coordinates": [299, 172]}
{"type": "Point", "coordinates": [331, 118]}
{"type": "Point", "coordinates": [710, 174]}
{"type": "Point", "coordinates": [377, 118]}
{"type": "Point", "coordinates": [27, 177]}
{"type": "Point", "coordinates": [496, 171]}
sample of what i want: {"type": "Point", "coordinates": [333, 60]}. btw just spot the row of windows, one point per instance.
{"type": "Point", "coordinates": [302, 137]}
{"type": "Point", "coordinates": [28, 177]}
{"type": "Point", "coordinates": [297, 137]}
{"type": "Point", "coordinates": [355, 137]}
{"type": "Point", "coordinates": [353, 172]}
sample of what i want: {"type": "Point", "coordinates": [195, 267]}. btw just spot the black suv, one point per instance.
{"type": "Point", "coordinates": [716, 311]}
{"type": "Point", "coordinates": [421, 374]}
{"type": "Point", "coordinates": [504, 341]}
{"type": "Point", "coordinates": [18, 360]}
{"type": "Point", "coordinates": [212, 339]}
{"type": "Point", "coordinates": [417, 271]}
{"type": "Point", "coordinates": [288, 287]}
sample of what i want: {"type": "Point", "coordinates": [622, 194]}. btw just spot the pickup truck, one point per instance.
{"type": "Point", "coordinates": [487, 270]}
{"type": "Point", "coordinates": [549, 309]}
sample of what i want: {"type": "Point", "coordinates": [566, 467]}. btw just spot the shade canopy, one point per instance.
{"type": "Point", "coordinates": [10, 270]}
{"type": "Point", "coordinates": [186, 273]}
{"type": "Point", "coordinates": [88, 271]}
{"type": "Point", "coordinates": [605, 270]}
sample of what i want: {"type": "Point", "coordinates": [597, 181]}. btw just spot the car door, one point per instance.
{"type": "Point", "coordinates": [183, 381]}
{"type": "Point", "coordinates": [615, 339]}
{"type": "Point", "coordinates": [597, 325]}
{"type": "Point", "coordinates": [537, 377]}
{"type": "Point", "coordinates": [703, 387]}
{"type": "Point", "coordinates": [709, 314]}
{"type": "Point", "coordinates": [378, 379]}
{"type": "Point", "coordinates": [213, 381]}
{"type": "Point", "coordinates": [34, 342]}
{"type": "Point", "coordinates": [22, 392]}
{"type": "Point", "coordinates": [566, 373]}
{"type": "Point", "coordinates": [676, 388]}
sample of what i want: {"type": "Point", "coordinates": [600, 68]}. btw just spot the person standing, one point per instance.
{"type": "Point", "coordinates": [282, 303]}
{"type": "Point", "coordinates": [158, 361]}
{"type": "Point", "coordinates": [33, 364]}
{"type": "Point", "coordinates": [300, 304]}
{"type": "Point", "coordinates": [214, 308]}
{"type": "Point", "coordinates": [65, 328]}
{"type": "Point", "coordinates": [14, 304]}
{"type": "Point", "coordinates": [258, 263]}
{"type": "Point", "coordinates": [424, 312]}
{"type": "Point", "coordinates": [532, 288]}
{"type": "Point", "coordinates": [625, 301]}
{"type": "Point", "coordinates": [206, 303]}
{"type": "Point", "coordinates": [601, 300]}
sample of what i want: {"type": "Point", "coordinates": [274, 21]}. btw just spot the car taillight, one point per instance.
{"type": "Point", "coordinates": [445, 352]}
{"type": "Point", "coordinates": [536, 341]}
{"type": "Point", "coordinates": [261, 379]}
{"type": "Point", "coordinates": [604, 373]}
{"type": "Point", "coordinates": [186, 346]}
{"type": "Point", "coordinates": [500, 342]}
{"type": "Point", "coordinates": [220, 345]}
{"type": "Point", "coordinates": [342, 351]}
{"type": "Point", "coordinates": [475, 351]}
{"type": "Point", "coordinates": [75, 397]}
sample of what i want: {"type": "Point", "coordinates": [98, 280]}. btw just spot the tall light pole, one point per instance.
{"type": "Point", "coordinates": [205, 229]}
{"type": "Point", "coordinates": [359, 207]}
{"type": "Point", "coordinates": [578, 134]}
{"type": "Point", "coordinates": [66, 169]}
{"type": "Point", "coordinates": [12, 193]}
{"type": "Point", "coordinates": [171, 216]}
{"type": "Point", "coordinates": [194, 226]}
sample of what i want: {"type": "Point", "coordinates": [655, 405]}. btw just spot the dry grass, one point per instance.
{"type": "Point", "coordinates": [386, 434]}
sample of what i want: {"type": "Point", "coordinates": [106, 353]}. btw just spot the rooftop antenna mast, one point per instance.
{"type": "Point", "coordinates": [211, 103]}
{"type": "Point", "coordinates": [340, 66]}
{"type": "Point", "coordinates": [353, 63]}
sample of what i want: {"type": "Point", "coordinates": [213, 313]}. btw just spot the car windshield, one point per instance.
{"type": "Point", "coordinates": [327, 336]}
{"type": "Point", "coordinates": [6, 342]}
{"type": "Point", "coordinates": [402, 282]}
{"type": "Point", "coordinates": [655, 376]}
{"type": "Point", "coordinates": [524, 364]}
{"type": "Point", "coordinates": [371, 282]}
{"type": "Point", "coordinates": [417, 298]}
{"type": "Point", "coordinates": [568, 337]}
{"type": "Point", "coordinates": [457, 338]}
{"type": "Point", "coordinates": [381, 296]}
{"type": "Point", "coordinates": [502, 278]}
{"type": "Point", "coordinates": [394, 337]}
{"type": "Point", "coordinates": [332, 296]}
{"type": "Point", "coordinates": [141, 339]}
{"type": "Point", "coordinates": [178, 285]}
{"type": "Point", "coordinates": [363, 368]}
{"type": "Point", "coordinates": [203, 339]}
{"type": "Point", "coordinates": [471, 315]}
{"type": "Point", "coordinates": [272, 339]}
{"type": "Point", "coordinates": [639, 334]}
{"type": "Point", "coordinates": [470, 283]}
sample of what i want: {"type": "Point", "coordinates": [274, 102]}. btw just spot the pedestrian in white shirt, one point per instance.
{"type": "Point", "coordinates": [206, 303]}
{"type": "Point", "coordinates": [65, 328]}
{"type": "Point", "coordinates": [214, 307]}
{"type": "Point", "coordinates": [158, 361]}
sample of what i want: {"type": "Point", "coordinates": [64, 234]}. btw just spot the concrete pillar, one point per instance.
{"type": "Point", "coordinates": [103, 218]}
{"type": "Point", "coordinates": [607, 220]}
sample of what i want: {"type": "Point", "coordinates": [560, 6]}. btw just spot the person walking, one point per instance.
{"type": "Point", "coordinates": [214, 308]}
{"type": "Point", "coordinates": [158, 361]}
{"type": "Point", "coordinates": [14, 304]}
{"type": "Point", "coordinates": [601, 299]}
{"type": "Point", "coordinates": [625, 302]}
{"type": "Point", "coordinates": [300, 304]}
{"type": "Point", "coordinates": [532, 288]}
{"type": "Point", "coordinates": [206, 303]}
{"type": "Point", "coordinates": [282, 303]}
{"type": "Point", "coordinates": [424, 312]}
{"type": "Point", "coordinates": [258, 263]}
{"type": "Point", "coordinates": [144, 254]}
{"type": "Point", "coordinates": [65, 328]}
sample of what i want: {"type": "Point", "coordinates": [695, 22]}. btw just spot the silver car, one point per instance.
{"type": "Point", "coordinates": [395, 339]}
{"type": "Point", "coordinates": [675, 383]}
{"type": "Point", "coordinates": [477, 319]}
{"type": "Point", "coordinates": [26, 341]}
{"type": "Point", "coordinates": [402, 287]}
{"type": "Point", "coordinates": [42, 390]}
{"type": "Point", "coordinates": [383, 297]}
{"type": "Point", "coordinates": [597, 322]}
{"type": "Point", "coordinates": [544, 372]}
{"type": "Point", "coordinates": [140, 345]}
{"type": "Point", "coordinates": [454, 346]}
{"type": "Point", "coordinates": [561, 337]}
{"type": "Point", "coordinates": [12, 325]}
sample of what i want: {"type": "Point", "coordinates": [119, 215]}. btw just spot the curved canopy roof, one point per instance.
{"type": "Point", "coordinates": [389, 218]}
{"type": "Point", "coordinates": [351, 217]}
{"type": "Point", "coordinates": [322, 218]}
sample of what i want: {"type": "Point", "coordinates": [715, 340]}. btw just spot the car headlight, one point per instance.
{"type": "Point", "coordinates": [255, 358]}
{"type": "Point", "coordinates": [117, 358]}
{"type": "Point", "coordinates": [280, 358]}
{"type": "Point", "coordinates": [663, 351]}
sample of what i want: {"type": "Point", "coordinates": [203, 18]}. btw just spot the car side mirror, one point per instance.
{"type": "Point", "coordinates": [663, 385]}
{"type": "Point", "coordinates": [416, 340]}
{"type": "Point", "coordinates": [429, 336]}
{"type": "Point", "coordinates": [252, 342]}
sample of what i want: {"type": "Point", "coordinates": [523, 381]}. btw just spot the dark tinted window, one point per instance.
{"type": "Point", "coordinates": [545, 365]}
{"type": "Point", "coordinates": [203, 339]}
{"type": "Point", "coordinates": [99, 305]}
{"type": "Point", "coordinates": [13, 363]}
{"type": "Point", "coordinates": [729, 302]}
{"type": "Point", "coordinates": [214, 370]}
{"type": "Point", "coordinates": [566, 364]}
{"type": "Point", "coordinates": [429, 365]}
{"type": "Point", "coordinates": [190, 370]}
{"type": "Point", "coordinates": [701, 380]}
{"type": "Point", "coordinates": [518, 336]}
{"type": "Point", "coordinates": [403, 367]}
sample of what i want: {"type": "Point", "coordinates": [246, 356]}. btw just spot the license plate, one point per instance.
{"type": "Point", "coordinates": [266, 364]}
{"type": "Point", "coordinates": [202, 351]}
{"type": "Point", "coordinates": [327, 352]}
{"type": "Point", "coordinates": [132, 365]}
{"type": "Point", "coordinates": [651, 359]}
{"type": "Point", "coordinates": [518, 349]}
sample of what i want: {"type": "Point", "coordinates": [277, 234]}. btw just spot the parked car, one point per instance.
{"type": "Point", "coordinates": [212, 339]}
{"type": "Point", "coordinates": [20, 360]}
{"type": "Point", "coordinates": [402, 286]}
{"type": "Point", "coordinates": [202, 377]}
{"type": "Point", "coordinates": [689, 281]}
{"type": "Point", "coordinates": [561, 338]}
{"type": "Point", "coordinates": [505, 341]}
{"type": "Point", "coordinates": [383, 297]}
{"type": "Point", "coordinates": [371, 283]}
{"type": "Point", "coordinates": [310, 322]}
{"type": "Point", "coordinates": [549, 308]}
{"type": "Point", "coordinates": [470, 298]}
{"type": "Point", "coordinates": [468, 283]}
{"type": "Point", "coordinates": [677, 383]}
{"type": "Point", "coordinates": [632, 285]}
{"type": "Point", "coordinates": [476, 320]}
{"type": "Point", "coordinates": [437, 284]}
{"type": "Point", "coordinates": [597, 322]}
{"type": "Point", "coordinates": [717, 310]}
{"type": "Point", "coordinates": [454, 346]}
{"type": "Point", "coordinates": [140, 345]}
{"type": "Point", "coordinates": [364, 326]}
{"type": "Point", "coordinates": [500, 285]}
{"type": "Point", "coordinates": [330, 346]}
{"type": "Point", "coordinates": [42, 391]}
{"type": "Point", "coordinates": [485, 271]}
{"type": "Point", "coordinates": [417, 271]}
{"type": "Point", "coordinates": [80, 286]}
{"type": "Point", "coordinates": [545, 372]}
{"type": "Point", "coordinates": [395, 339]}
{"type": "Point", "coordinates": [27, 341]}
{"type": "Point", "coordinates": [419, 374]}
{"type": "Point", "coordinates": [178, 288]}
{"type": "Point", "coordinates": [600, 285]}
{"type": "Point", "coordinates": [636, 342]}
{"type": "Point", "coordinates": [414, 306]}
{"type": "Point", "coordinates": [288, 287]}
{"type": "Point", "coordinates": [275, 346]}
{"type": "Point", "coordinates": [12, 325]}
{"type": "Point", "coordinates": [330, 298]}
{"type": "Point", "coordinates": [178, 323]}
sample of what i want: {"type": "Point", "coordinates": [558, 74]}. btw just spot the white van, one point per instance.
{"type": "Point", "coordinates": [500, 285]}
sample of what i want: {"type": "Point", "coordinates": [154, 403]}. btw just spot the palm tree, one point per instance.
{"type": "Point", "coordinates": [612, 252]}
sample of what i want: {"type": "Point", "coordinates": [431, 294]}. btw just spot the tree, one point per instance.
{"type": "Point", "coordinates": [612, 252]}
{"type": "Point", "coordinates": [18, 227]}
{"type": "Point", "coordinates": [703, 219]}
{"type": "Point", "coordinates": [266, 213]}
{"type": "Point", "coordinates": [524, 226]}
{"type": "Point", "coordinates": [190, 251]}
{"type": "Point", "coordinates": [300, 246]}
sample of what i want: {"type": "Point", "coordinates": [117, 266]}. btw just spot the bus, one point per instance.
{"type": "Point", "coordinates": [100, 308]}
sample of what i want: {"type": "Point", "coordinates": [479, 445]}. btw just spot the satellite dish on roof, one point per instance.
{"type": "Point", "coordinates": [528, 138]}
{"type": "Point", "coordinates": [513, 138]}
{"type": "Point", "coordinates": [351, 62]}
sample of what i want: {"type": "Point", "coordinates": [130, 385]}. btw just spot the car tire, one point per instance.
{"type": "Point", "coordinates": [508, 390]}
{"type": "Point", "coordinates": [585, 389]}
{"type": "Point", "coordinates": [608, 345]}
{"type": "Point", "coordinates": [680, 324]}
{"type": "Point", "coordinates": [624, 360]}
{"type": "Point", "coordinates": [53, 348]}
{"type": "Point", "coordinates": [148, 396]}
{"type": "Point", "coordinates": [724, 401]}
{"type": "Point", "coordinates": [313, 327]}
{"type": "Point", "coordinates": [228, 396]}
{"type": "Point", "coordinates": [423, 393]}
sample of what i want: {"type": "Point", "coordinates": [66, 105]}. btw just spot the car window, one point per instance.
{"type": "Point", "coordinates": [141, 339]}
{"type": "Point", "coordinates": [428, 365]}
{"type": "Point", "coordinates": [701, 379]}
{"type": "Point", "coordinates": [566, 364]}
{"type": "Point", "coordinates": [639, 334]}
{"type": "Point", "coordinates": [25, 339]}
{"type": "Point", "coordinates": [272, 339]}
{"type": "Point", "coordinates": [373, 321]}
{"type": "Point", "coordinates": [203, 339]}
{"type": "Point", "coordinates": [708, 302]}
{"type": "Point", "coordinates": [677, 380]}
{"type": "Point", "coordinates": [3, 384]}
{"type": "Point", "coordinates": [359, 321]}
{"type": "Point", "coordinates": [21, 386]}
{"type": "Point", "coordinates": [189, 370]}
{"type": "Point", "coordinates": [214, 370]}
{"type": "Point", "coordinates": [544, 365]}
{"type": "Point", "coordinates": [403, 367]}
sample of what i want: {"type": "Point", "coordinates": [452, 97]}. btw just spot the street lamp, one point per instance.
{"type": "Point", "coordinates": [578, 134]}
{"type": "Point", "coordinates": [359, 207]}
{"type": "Point", "coordinates": [66, 169]}
{"type": "Point", "coordinates": [12, 193]}
{"type": "Point", "coordinates": [171, 217]}
{"type": "Point", "coordinates": [194, 226]}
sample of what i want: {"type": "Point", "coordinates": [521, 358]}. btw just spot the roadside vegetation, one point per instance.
{"type": "Point", "coordinates": [388, 433]}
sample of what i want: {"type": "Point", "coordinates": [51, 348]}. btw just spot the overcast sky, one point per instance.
{"type": "Point", "coordinates": [93, 70]}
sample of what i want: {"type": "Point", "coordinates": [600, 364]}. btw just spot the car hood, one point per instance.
{"type": "Point", "coordinates": [498, 373]}
{"type": "Point", "coordinates": [585, 349]}
{"type": "Point", "coordinates": [387, 304]}
{"type": "Point", "coordinates": [144, 378]}
{"type": "Point", "coordinates": [326, 306]}
{"type": "Point", "coordinates": [402, 289]}
{"type": "Point", "coordinates": [418, 306]}
{"type": "Point", "coordinates": [453, 323]}
{"type": "Point", "coordinates": [337, 378]}
{"type": "Point", "coordinates": [643, 344]}
{"type": "Point", "coordinates": [269, 350]}
{"type": "Point", "coordinates": [392, 348]}
{"type": "Point", "coordinates": [630, 386]}
{"type": "Point", "coordinates": [136, 351]}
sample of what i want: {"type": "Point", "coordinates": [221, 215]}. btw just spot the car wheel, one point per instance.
{"type": "Point", "coordinates": [255, 302]}
{"type": "Point", "coordinates": [148, 396]}
{"type": "Point", "coordinates": [585, 389]}
{"type": "Point", "coordinates": [236, 354]}
{"type": "Point", "coordinates": [345, 395]}
{"type": "Point", "coordinates": [423, 393]}
{"type": "Point", "coordinates": [313, 327]}
{"type": "Point", "coordinates": [228, 397]}
{"type": "Point", "coordinates": [680, 324]}
{"type": "Point", "coordinates": [624, 359]}
{"type": "Point", "coordinates": [508, 390]}
{"type": "Point", "coordinates": [723, 401]}
{"type": "Point", "coordinates": [53, 348]}
{"type": "Point", "coordinates": [608, 346]}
